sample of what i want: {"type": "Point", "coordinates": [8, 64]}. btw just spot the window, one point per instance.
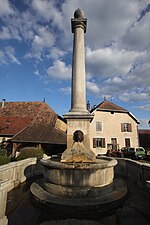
{"type": "Point", "coordinates": [114, 143]}
{"type": "Point", "coordinates": [126, 127]}
{"type": "Point", "coordinates": [98, 126]}
{"type": "Point", "coordinates": [114, 140]}
{"type": "Point", "coordinates": [98, 142]}
{"type": "Point", "coordinates": [127, 142]}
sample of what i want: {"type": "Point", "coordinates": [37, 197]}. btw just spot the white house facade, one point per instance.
{"type": "Point", "coordinates": [112, 128]}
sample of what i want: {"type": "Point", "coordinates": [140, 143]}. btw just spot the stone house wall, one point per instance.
{"type": "Point", "coordinates": [111, 128]}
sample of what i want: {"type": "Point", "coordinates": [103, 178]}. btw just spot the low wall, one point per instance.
{"type": "Point", "coordinates": [17, 172]}
{"type": "Point", "coordinates": [11, 175]}
{"type": "Point", "coordinates": [3, 200]}
{"type": "Point", "coordinates": [134, 171]}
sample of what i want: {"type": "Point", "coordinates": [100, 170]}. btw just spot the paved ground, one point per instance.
{"type": "Point", "coordinates": [134, 211]}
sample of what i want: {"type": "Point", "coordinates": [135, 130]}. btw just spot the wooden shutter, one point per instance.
{"type": "Point", "coordinates": [130, 128]}
{"type": "Point", "coordinates": [94, 143]}
{"type": "Point", "coordinates": [122, 127]}
{"type": "Point", "coordinates": [103, 142]}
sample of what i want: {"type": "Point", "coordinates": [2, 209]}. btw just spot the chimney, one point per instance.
{"type": "Point", "coordinates": [88, 106]}
{"type": "Point", "coordinates": [3, 102]}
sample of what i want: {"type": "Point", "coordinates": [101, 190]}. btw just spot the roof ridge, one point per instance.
{"type": "Point", "coordinates": [110, 103]}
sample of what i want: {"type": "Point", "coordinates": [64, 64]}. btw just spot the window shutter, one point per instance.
{"type": "Point", "coordinates": [103, 142]}
{"type": "Point", "coordinates": [130, 128]}
{"type": "Point", "coordinates": [122, 127]}
{"type": "Point", "coordinates": [94, 142]}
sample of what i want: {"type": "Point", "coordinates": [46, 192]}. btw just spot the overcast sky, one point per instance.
{"type": "Point", "coordinates": [36, 52]}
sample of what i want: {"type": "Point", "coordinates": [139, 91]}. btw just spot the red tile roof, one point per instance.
{"type": "Point", "coordinates": [109, 106]}
{"type": "Point", "coordinates": [142, 131]}
{"type": "Point", "coordinates": [30, 122]}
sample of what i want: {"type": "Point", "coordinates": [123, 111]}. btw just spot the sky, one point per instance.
{"type": "Point", "coordinates": [36, 45]}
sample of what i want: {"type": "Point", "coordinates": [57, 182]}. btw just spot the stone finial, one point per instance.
{"type": "Point", "coordinates": [78, 13]}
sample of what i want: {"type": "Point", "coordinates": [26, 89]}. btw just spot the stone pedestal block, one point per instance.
{"type": "Point", "coordinates": [79, 122]}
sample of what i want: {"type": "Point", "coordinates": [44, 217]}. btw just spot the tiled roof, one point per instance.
{"type": "Point", "coordinates": [109, 106]}
{"type": "Point", "coordinates": [31, 122]}
{"type": "Point", "coordinates": [142, 131]}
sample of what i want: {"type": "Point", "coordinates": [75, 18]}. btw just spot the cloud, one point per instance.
{"type": "Point", "coordinates": [107, 20]}
{"type": "Point", "coordinates": [5, 33]}
{"type": "Point", "coordinates": [47, 10]}
{"type": "Point", "coordinates": [144, 123]}
{"type": "Point", "coordinates": [7, 55]}
{"type": "Point", "coordinates": [6, 8]}
{"type": "Point", "coordinates": [92, 87]}
{"type": "Point", "coordinates": [106, 62]}
{"type": "Point", "coordinates": [2, 58]}
{"type": "Point", "coordinates": [42, 41]}
{"type": "Point", "coordinates": [59, 71]}
{"type": "Point", "coordinates": [134, 96]}
{"type": "Point", "coordinates": [137, 38]}
{"type": "Point", "coordinates": [145, 107]}
{"type": "Point", "coordinates": [66, 90]}
{"type": "Point", "coordinates": [56, 53]}
{"type": "Point", "coordinates": [10, 53]}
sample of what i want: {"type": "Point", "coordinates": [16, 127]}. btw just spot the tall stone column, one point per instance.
{"type": "Point", "coordinates": [78, 118]}
{"type": "Point", "coordinates": [78, 96]}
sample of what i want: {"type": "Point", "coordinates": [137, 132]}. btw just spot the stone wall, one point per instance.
{"type": "Point", "coordinates": [11, 175]}
{"type": "Point", "coordinates": [135, 171]}
{"type": "Point", "coordinates": [3, 200]}
{"type": "Point", "coordinates": [18, 172]}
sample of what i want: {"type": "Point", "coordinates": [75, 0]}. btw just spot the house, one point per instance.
{"type": "Point", "coordinates": [112, 127]}
{"type": "Point", "coordinates": [31, 124]}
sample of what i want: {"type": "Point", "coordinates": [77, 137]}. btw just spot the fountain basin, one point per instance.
{"type": "Point", "coordinates": [80, 186]}
{"type": "Point", "coordinates": [78, 179]}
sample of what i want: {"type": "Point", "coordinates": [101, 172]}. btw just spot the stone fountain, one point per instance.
{"type": "Point", "coordinates": [78, 179]}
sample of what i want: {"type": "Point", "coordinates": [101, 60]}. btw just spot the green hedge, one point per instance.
{"type": "Point", "coordinates": [3, 157]}
{"type": "Point", "coordinates": [3, 152]}
{"type": "Point", "coordinates": [29, 152]}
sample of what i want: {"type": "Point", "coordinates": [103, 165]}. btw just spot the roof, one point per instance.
{"type": "Point", "coordinates": [111, 107]}
{"type": "Point", "coordinates": [144, 131]}
{"type": "Point", "coordinates": [30, 122]}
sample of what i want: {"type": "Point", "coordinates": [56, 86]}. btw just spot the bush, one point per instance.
{"type": "Point", "coordinates": [4, 160]}
{"type": "Point", "coordinates": [29, 152]}
{"type": "Point", "coordinates": [3, 152]}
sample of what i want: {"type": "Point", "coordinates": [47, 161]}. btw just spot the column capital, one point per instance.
{"type": "Point", "coordinates": [78, 22]}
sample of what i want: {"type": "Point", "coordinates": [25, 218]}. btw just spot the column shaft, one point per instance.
{"type": "Point", "coordinates": [78, 102]}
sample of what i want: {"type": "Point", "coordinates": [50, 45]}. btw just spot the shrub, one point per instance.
{"type": "Point", "coordinates": [29, 152]}
{"type": "Point", "coordinates": [3, 152]}
{"type": "Point", "coordinates": [4, 160]}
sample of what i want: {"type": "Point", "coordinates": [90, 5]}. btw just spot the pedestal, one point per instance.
{"type": "Point", "coordinates": [78, 122]}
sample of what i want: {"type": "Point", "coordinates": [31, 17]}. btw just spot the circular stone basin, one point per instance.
{"type": "Point", "coordinates": [79, 179]}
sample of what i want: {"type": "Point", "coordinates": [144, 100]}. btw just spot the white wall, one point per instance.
{"type": "Point", "coordinates": [111, 128]}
